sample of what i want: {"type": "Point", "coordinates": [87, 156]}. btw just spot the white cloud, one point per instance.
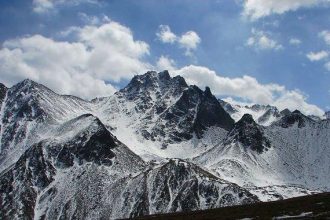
{"type": "Point", "coordinates": [165, 34]}
{"type": "Point", "coordinates": [295, 41]}
{"type": "Point", "coordinates": [92, 19]}
{"type": "Point", "coordinates": [262, 41]}
{"type": "Point", "coordinates": [248, 89]}
{"type": "Point", "coordinates": [100, 53]}
{"type": "Point", "coordinates": [316, 56]}
{"type": "Point", "coordinates": [189, 40]}
{"type": "Point", "coordinates": [115, 54]}
{"type": "Point", "coordinates": [245, 87]}
{"type": "Point", "coordinates": [43, 6]}
{"type": "Point", "coordinates": [326, 36]}
{"type": "Point", "coordinates": [255, 9]}
{"type": "Point", "coordinates": [165, 63]}
{"type": "Point", "coordinates": [297, 100]}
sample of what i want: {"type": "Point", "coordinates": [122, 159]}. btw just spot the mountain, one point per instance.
{"type": "Point", "coordinates": [58, 171]}
{"type": "Point", "coordinates": [263, 114]}
{"type": "Point", "coordinates": [59, 158]}
{"type": "Point", "coordinates": [247, 132]}
{"type": "Point", "coordinates": [293, 151]}
{"type": "Point", "coordinates": [173, 186]}
{"type": "Point", "coordinates": [158, 145]}
{"type": "Point", "coordinates": [84, 172]}
{"type": "Point", "coordinates": [161, 116]}
{"type": "Point", "coordinates": [29, 112]}
{"type": "Point", "coordinates": [170, 104]}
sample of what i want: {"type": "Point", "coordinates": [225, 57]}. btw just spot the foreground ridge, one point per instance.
{"type": "Point", "coordinates": [313, 206]}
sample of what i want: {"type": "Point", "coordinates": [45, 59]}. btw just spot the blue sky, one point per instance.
{"type": "Point", "coordinates": [264, 51]}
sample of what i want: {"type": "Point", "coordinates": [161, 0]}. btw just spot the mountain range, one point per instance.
{"type": "Point", "coordinates": [156, 146]}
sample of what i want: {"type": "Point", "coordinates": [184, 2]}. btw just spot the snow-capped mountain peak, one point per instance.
{"type": "Point", "coordinates": [263, 114]}
{"type": "Point", "coordinates": [164, 111]}
{"type": "Point", "coordinates": [247, 132]}
{"type": "Point", "coordinates": [295, 117]}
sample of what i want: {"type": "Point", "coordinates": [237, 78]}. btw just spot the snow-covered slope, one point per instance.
{"type": "Point", "coordinates": [84, 172]}
{"type": "Point", "coordinates": [295, 152]}
{"type": "Point", "coordinates": [262, 114]}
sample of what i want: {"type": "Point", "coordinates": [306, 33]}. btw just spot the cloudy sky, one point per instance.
{"type": "Point", "coordinates": [255, 51]}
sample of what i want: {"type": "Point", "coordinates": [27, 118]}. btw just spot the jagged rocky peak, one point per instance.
{"type": "Point", "coordinates": [170, 109]}
{"type": "Point", "coordinates": [210, 113]}
{"type": "Point", "coordinates": [327, 115]}
{"type": "Point", "coordinates": [30, 100]}
{"type": "Point", "coordinates": [23, 101]}
{"type": "Point", "coordinates": [153, 82]}
{"type": "Point", "coordinates": [246, 119]}
{"type": "Point", "coordinates": [263, 114]}
{"type": "Point", "coordinates": [27, 86]}
{"type": "Point", "coordinates": [295, 117]}
{"type": "Point", "coordinates": [257, 107]}
{"type": "Point", "coordinates": [90, 142]}
{"type": "Point", "coordinates": [193, 113]}
{"type": "Point", "coordinates": [271, 112]}
{"type": "Point", "coordinates": [207, 91]}
{"type": "Point", "coordinates": [247, 132]}
{"type": "Point", "coordinates": [285, 112]}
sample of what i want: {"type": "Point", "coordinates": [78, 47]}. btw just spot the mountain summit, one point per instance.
{"type": "Point", "coordinates": [165, 109]}
{"type": "Point", "coordinates": [249, 134]}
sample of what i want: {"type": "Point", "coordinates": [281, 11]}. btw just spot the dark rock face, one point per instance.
{"type": "Point", "coordinates": [293, 118]}
{"type": "Point", "coordinates": [3, 91]}
{"type": "Point", "coordinates": [182, 111]}
{"type": "Point", "coordinates": [193, 113]}
{"type": "Point", "coordinates": [142, 87]}
{"type": "Point", "coordinates": [249, 134]}
{"type": "Point", "coordinates": [192, 184]}
{"type": "Point", "coordinates": [22, 107]}
{"type": "Point", "coordinates": [20, 184]}
{"type": "Point", "coordinates": [327, 115]}
{"type": "Point", "coordinates": [285, 112]}
{"type": "Point", "coordinates": [85, 146]}
{"type": "Point", "coordinates": [210, 113]}
{"type": "Point", "coordinates": [227, 107]}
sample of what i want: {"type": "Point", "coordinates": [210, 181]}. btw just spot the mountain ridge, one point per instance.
{"type": "Point", "coordinates": [158, 145]}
